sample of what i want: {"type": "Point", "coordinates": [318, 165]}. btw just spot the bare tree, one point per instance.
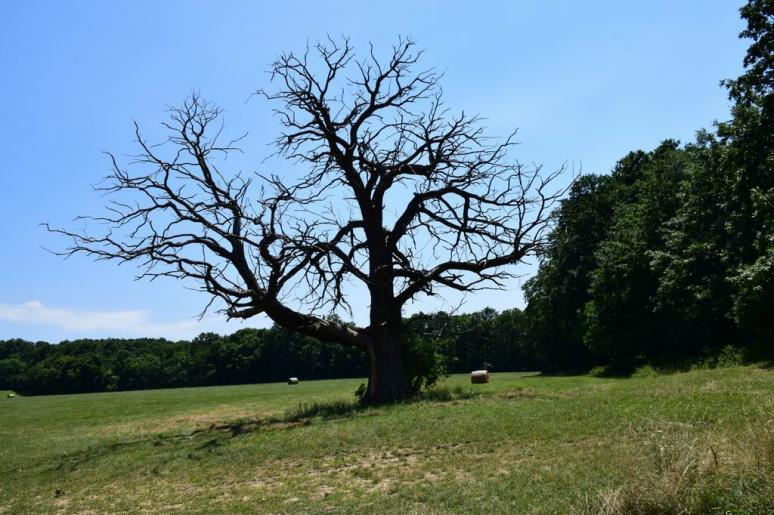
{"type": "Point", "coordinates": [397, 194]}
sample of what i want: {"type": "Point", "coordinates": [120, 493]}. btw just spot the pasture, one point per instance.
{"type": "Point", "coordinates": [700, 441]}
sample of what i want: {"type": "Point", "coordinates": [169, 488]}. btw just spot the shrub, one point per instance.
{"type": "Point", "coordinates": [425, 361]}
{"type": "Point", "coordinates": [730, 357]}
{"type": "Point", "coordinates": [645, 371]}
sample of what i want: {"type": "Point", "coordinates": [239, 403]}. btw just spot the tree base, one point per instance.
{"type": "Point", "coordinates": [387, 381]}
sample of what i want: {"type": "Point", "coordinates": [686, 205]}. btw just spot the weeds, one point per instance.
{"type": "Point", "coordinates": [676, 473]}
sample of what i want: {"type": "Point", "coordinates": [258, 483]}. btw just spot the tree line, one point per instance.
{"type": "Point", "coordinates": [486, 338]}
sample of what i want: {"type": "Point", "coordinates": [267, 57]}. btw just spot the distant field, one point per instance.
{"type": "Point", "coordinates": [701, 441]}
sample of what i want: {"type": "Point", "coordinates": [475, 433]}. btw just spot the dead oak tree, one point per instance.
{"type": "Point", "coordinates": [397, 195]}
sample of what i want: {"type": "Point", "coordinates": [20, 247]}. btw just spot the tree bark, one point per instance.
{"type": "Point", "coordinates": [387, 380]}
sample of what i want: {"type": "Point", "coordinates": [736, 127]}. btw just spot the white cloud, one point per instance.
{"type": "Point", "coordinates": [108, 323]}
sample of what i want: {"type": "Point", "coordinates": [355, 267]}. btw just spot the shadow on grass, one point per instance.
{"type": "Point", "coordinates": [209, 439]}
{"type": "Point", "coordinates": [213, 436]}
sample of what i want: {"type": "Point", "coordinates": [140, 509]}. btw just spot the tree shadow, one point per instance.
{"type": "Point", "coordinates": [216, 436]}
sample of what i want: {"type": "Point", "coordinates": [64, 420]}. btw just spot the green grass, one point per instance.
{"type": "Point", "coordinates": [701, 441]}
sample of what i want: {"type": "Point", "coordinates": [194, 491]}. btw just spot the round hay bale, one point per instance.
{"type": "Point", "coordinates": [292, 380]}
{"type": "Point", "coordinates": [11, 395]}
{"type": "Point", "coordinates": [479, 376]}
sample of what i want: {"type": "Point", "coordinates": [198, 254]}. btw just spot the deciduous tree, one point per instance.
{"type": "Point", "coordinates": [397, 194]}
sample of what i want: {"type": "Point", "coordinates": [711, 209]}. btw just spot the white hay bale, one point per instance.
{"type": "Point", "coordinates": [11, 395]}
{"type": "Point", "coordinates": [479, 376]}
{"type": "Point", "coordinates": [292, 380]}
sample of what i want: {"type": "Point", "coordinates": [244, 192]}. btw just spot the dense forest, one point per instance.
{"type": "Point", "coordinates": [672, 254]}
{"type": "Point", "coordinates": [666, 260]}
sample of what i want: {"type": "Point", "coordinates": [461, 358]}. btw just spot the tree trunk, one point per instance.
{"type": "Point", "coordinates": [387, 380]}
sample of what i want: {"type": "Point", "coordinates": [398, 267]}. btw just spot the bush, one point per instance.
{"type": "Point", "coordinates": [425, 361]}
{"type": "Point", "coordinates": [645, 371]}
{"type": "Point", "coordinates": [728, 356]}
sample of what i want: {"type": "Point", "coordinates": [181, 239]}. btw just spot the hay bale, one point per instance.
{"type": "Point", "coordinates": [11, 395]}
{"type": "Point", "coordinates": [479, 376]}
{"type": "Point", "coordinates": [292, 380]}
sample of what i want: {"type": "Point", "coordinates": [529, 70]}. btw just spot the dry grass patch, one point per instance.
{"type": "Point", "coordinates": [681, 469]}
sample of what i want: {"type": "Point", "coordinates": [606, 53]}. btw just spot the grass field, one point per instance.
{"type": "Point", "coordinates": [701, 441]}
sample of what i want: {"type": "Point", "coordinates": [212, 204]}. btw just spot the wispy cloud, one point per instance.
{"type": "Point", "coordinates": [116, 323]}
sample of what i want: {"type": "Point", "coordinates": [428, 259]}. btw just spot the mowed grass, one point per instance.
{"type": "Point", "coordinates": [701, 441]}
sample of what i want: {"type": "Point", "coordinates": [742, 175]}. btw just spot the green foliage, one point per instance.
{"type": "Point", "coordinates": [728, 356]}
{"type": "Point", "coordinates": [438, 344]}
{"type": "Point", "coordinates": [247, 356]}
{"type": "Point", "coordinates": [469, 341]}
{"type": "Point", "coordinates": [434, 345]}
{"type": "Point", "coordinates": [557, 294]}
{"type": "Point", "coordinates": [645, 371]}
{"type": "Point", "coordinates": [425, 361]}
{"type": "Point", "coordinates": [671, 255]}
{"type": "Point", "coordinates": [11, 373]}
{"type": "Point", "coordinates": [754, 297]}
{"type": "Point", "coordinates": [361, 391]}
{"type": "Point", "coordinates": [621, 319]}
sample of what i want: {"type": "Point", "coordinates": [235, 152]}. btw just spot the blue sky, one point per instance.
{"type": "Point", "coordinates": [584, 82]}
